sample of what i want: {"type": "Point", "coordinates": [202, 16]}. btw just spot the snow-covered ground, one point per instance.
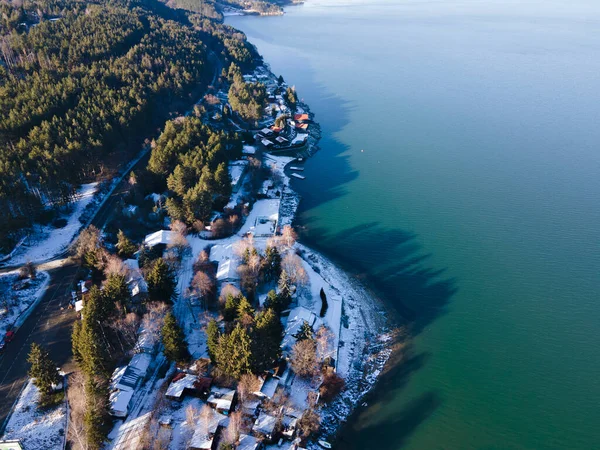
{"type": "Point", "coordinates": [36, 429]}
{"type": "Point", "coordinates": [16, 304]}
{"type": "Point", "coordinates": [49, 241]}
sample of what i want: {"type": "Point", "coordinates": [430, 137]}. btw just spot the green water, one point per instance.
{"type": "Point", "coordinates": [460, 172]}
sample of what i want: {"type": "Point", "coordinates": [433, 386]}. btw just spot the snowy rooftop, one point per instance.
{"type": "Point", "coordinates": [132, 264]}
{"type": "Point", "coordinates": [125, 378]}
{"type": "Point", "coordinates": [146, 342]}
{"type": "Point", "coordinates": [176, 388]}
{"type": "Point", "coordinates": [228, 262]}
{"type": "Point", "coordinates": [158, 237]}
{"type": "Point", "coordinates": [247, 442]}
{"type": "Point", "coordinates": [300, 138]}
{"type": "Point", "coordinates": [249, 150]}
{"type": "Point", "coordinates": [265, 423]}
{"type": "Point", "coordinates": [236, 171]}
{"type": "Point", "coordinates": [295, 320]}
{"type": "Point", "coordinates": [141, 362]}
{"type": "Point", "coordinates": [221, 398]}
{"type": "Point", "coordinates": [130, 432]}
{"type": "Point", "coordinates": [266, 213]}
{"type": "Point", "coordinates": [119, 402]}
{"type": "Point", "coordinates": [268, 388]}
{"type": "Point", "coordinates": [206, 428]}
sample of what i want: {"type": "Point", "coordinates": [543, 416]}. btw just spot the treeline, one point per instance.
{"type": "Point", "coordinates": [193, 159]}
{"type": "Point", "coordinates": [77, 90]}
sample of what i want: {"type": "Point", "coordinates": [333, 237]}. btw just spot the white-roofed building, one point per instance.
{"type": "Point", "coordinates": [119, 402]}
{"type": "Point", "coordinates": [180, 384]}
{"type": "Point", "coordinates": [268, 388]}
{"type": "Point", "coordinates": [205, 430]}
{"type": "Point", "coordinates": [163, 237]}
{"type": "Point", "coordinates": [237, 170]}
{"type": "Point", "coordinates": [295, 320]}
{"type": "Point", "coordinates": [227, 262]}
{"type": "Point", "coordinates": [248, 150]}
{"type": "Point", "coordinates": [247, 442]}
{"type": "Point", "coordinates": [264, 425]}
{"type": "Point", "coordinates": [221, 399]}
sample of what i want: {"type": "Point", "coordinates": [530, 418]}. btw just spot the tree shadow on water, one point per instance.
{"type": "Point", "coordinates": [394, 266]}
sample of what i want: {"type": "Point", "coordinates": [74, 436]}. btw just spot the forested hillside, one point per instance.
{"type": "Point", "coordinates": [82, 82]}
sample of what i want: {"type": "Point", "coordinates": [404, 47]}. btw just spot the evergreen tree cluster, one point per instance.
{"type": "Point", "coordinates": [76, 91]}
{"type": "Point", "coordinates": [193, 158]}
{"type": "Point", "coordinates": [247, 99]}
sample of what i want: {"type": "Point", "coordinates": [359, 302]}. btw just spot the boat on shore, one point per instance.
{"type": "Point", "coordinates": [296, 175]}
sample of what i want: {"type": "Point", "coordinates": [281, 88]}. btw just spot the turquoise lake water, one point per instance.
{"type": "Point", "coordinates": [459, 171]}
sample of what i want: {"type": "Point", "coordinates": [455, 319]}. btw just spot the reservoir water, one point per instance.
{"type": "Point", "coordinates": [459, 172]}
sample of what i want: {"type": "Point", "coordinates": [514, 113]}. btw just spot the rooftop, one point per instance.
{"type": "Point", "coordinates": [159, 237]}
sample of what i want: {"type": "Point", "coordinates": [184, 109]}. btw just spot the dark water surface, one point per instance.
{"type": "Point", "coordinates": [460, 171]}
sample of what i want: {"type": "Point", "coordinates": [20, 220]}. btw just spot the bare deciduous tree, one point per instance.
{"type": "Point", "coordinates": [309, 424]}
{"type": "Point", "coordinates": [304, 358]}
{"type": "Point", "coordinates": [292, 264]}
{"type": "Point", "coordinates": [234, 429]}
{"type": "Point", "coordinates": [226, 291]}
{"type": "Point", "coordinates": [248, 384]}
{"type": "Point", "coordinates": [289, 236]}
{"type": "Point", "coordinates": [89, 239]}
{"type": "Point", "coordinates": [114, 265]}
{"type": "Point", "coordinates": [324, 339]}
{"type": "Point", "coordinates": [203, 286]}
{"type": "Point", "coordinates": [76, 399]}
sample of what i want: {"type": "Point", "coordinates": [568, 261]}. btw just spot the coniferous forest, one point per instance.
{"type": "Point", "coordinates": [83, 83]}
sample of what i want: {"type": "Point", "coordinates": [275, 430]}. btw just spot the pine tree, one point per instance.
{"type": "Point", "coordinates": [161, 282]}
{"type": "Point", "coordinates": [244, 309]}
{"type": "Point", "coordinates": [42, 370]}
{"type": "Point", "coordinates": [223, 180]}
{"type": "Point", "coordinates": [76, 341]}
{"type": "Point", "coordinates": [125, 247]}
{"type": "Point", "coordinates": [231, 306]}
{"type": "Point", "coordinates": [274, 302]}
{"type": "Point", "coordinates": [115, 289]}
{"type": "Point", "coordinates": [266, 342]}
{"type": "Point", "coordinates": [234, 352]}
{"type": "Point", "coordinates": [272, 264]}
{"type": "Point", "coordinates": [285, 289]}
{"type": "Point", "coordinates": [95, 418]}
{"type": "Point", "coordinates": [212, 339]}
{"type": "Point", "coordinates": [173, 340]}
{"type": "Point", "coordinates": [305, 332]}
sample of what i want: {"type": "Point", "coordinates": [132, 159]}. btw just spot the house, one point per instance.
{"type": "Point", "coordinates": [250, 407]}
{"type": "Point", "coordinates": [181, 385]}
{"type": "Point", "coordinates": [267, 143]}
{"type": "Point", "coordinates": [281, 140]}
{"type": "Point", "coordinates": [131, 433]}
{"type": "Point", "coordinates": [147, 341]}
{"type": "Point", "coordinates": [161, 237]}
{"type": "Point", "coordinates": [276, 129]}
{"type": "Point", "coordinates": [301, 126]}
{"type": "Point", "coordinates": [295, 320]}
{"type": "Point", "coordinates": [247, 442]}
{"type": "Point", "coordinates": [227, 263]}
{"type": "Point", "coordinates": [135, 283]}
{"type": "Point", "coordinates": [300, 139]}
{"type": "Point", "coordinates": [267, 132]}
{"type": "Point", "coordinates": [267, 217]}
{"type": "Point", "coordinates": [301, 117]}
{"type": "Point", "coordinates": [206, 428]}
{"type": "Point", "coordinates": [268, 388]}
{"type": "Point", "coordinates": [248, 150]}
{"type": "Point", "coordinates": [119, 402]}
{"type": "Point", "coordinates": [221, 399]}
{"type": "Point", "coordinates": [264, 425]}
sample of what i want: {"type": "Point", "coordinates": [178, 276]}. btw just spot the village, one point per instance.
{"type": "Point", "coordinates": [159, 404]}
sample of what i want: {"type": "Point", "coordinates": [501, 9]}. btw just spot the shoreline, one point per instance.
{"type": "Point", "coordinates": [367, 348]}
